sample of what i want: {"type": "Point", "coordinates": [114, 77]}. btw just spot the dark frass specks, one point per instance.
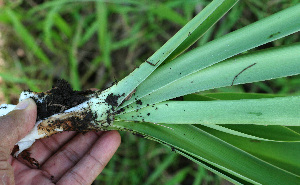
{"type": "Point", "coordinates": [139, 102]}
{"type": "Point", "coordinates": [112, 99]}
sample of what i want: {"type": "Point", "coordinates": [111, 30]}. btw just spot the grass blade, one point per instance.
{"type": "Point", "coordinates": [159, 169]}
{"type": "Point", "coordinates": [179, 177]}
{"type": "Point", "coordinates": [49, 21]}
{"type": "Point", "coordinates": [25, 36]}
{"type": "Point", "coordinates": [75, 81]}
{"type": "Point", "coordinates": [165, 12]}
{"type": "Point", "coordinates": [103, 33]}
{"type": "Point", "coordinates": [62, 25]}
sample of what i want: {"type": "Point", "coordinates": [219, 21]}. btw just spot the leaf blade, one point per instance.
{"type": "Point", "coordinates": [129, 83]}
{"type": "Point", "coordinates": [269, 111]}
{"type": "Point", "coordinates": [284, 61]}
{"type": "Point", "coordinates": [209, 148]}
{"type": "Point", "coordinates": [266, 30]}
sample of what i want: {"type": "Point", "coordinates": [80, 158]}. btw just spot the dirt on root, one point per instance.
{"type": "Point", "coordinates": [60, 98]}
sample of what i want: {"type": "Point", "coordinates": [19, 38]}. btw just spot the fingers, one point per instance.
{"type": "Point", "coordinates": [93, 162]}
{"type": "Point", "coordinates": [13, 127]}
{"type": "Point", "coordinates": [69, 155]}
{"type": "Point", "coordinates": [42, 149]}
{"type": "Point", "coordinates": [6, 171]}
{"type": "Point", "coordinates": [17, 124]}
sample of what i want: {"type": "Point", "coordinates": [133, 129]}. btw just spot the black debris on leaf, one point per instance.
{"type": "Point", "coordinates": [112, 99]}
{"type": "Point", "coordinates": [120, 111]}
{"type": "Point", "coordinates": [139, 102]}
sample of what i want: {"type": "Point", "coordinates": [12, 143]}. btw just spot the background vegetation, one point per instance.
{"type": "Point", "coordinates": [92, 44]}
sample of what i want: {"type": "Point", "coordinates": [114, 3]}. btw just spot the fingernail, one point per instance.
{"type": "Point", "coordinates": [22, 105]}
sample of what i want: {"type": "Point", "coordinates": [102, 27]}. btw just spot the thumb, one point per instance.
{"type": "Point", "coordinates": [17, 124]}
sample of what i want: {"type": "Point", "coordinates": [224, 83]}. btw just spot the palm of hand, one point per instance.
{"type": "Point", "coordinates": [67, 158]}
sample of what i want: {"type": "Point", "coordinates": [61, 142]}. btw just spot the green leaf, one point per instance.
{"type": "Point", "coordinates": [219, 172]}
{"type": "Point", "coordinates": [196, 26]}
{"type": "Point", "coordinates": [259, 133]}
{"type": "Point", "coordinates": [238, 70]}
{"type": "Point", "coordinates": [280, 154]}
{"type": "Point", "coordinates": [227, 96]}
{"type": "Point", "coordinates": [197, 97]}
{"type": "Point", "coordinates": [295, 129]}
{"type": "Point", "coordinates": [129, 83]}
{"type": "Point", "coordinates": [263, 31]}
{"type": "Point", "coordinates": [218, 12]}
{"type": "Point", "coordinates": [239, 96]}
{"type": "Point", "coordinates": [221, 156]}
{"type": "Point", "coordinates": [256, 132]}
{"type": "Point", "coordinates": [271, 132]}
{"type": "Point", "coordinates": [271, 111]}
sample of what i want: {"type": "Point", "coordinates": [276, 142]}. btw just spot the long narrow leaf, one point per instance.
{"type": "Point", "coordinates": [280, 154]}
{"type": "Point", "coordinates": [238, 70]}
{"type": "Point", "coordinates": [129, 83]}
{"type": "Point", "coordinates": [271, 132]}
{"type": "Point", "coordinates": [271, 111]}
{"type": "Point", "coordinates": [266, 30]}
{"type": "Point", "coordinates": [203, 146]}
{"type": "Point", "coordinates": [286, 135]}
{"type": "Point", "coordinates": [206, 24]}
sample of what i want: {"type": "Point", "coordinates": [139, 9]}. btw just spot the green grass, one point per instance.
{"type": "Point", "coordinates": [92, 44]}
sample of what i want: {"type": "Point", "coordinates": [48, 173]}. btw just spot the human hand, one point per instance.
{"type": "Point", "coordinates": [65, 158]}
